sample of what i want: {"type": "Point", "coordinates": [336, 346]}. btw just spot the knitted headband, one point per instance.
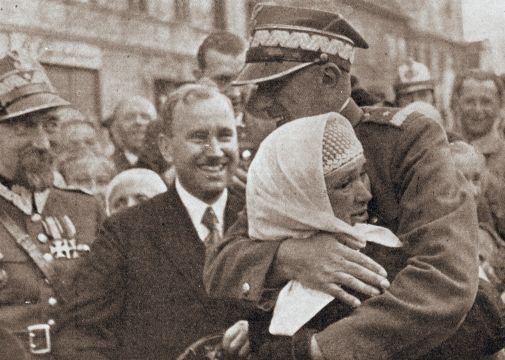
{"type": "Point", "coordinates": [340, 145]}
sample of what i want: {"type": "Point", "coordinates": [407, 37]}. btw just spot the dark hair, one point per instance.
{"type": "Point", "coordinates": [188, 94]}
{"type": "Point", "coordinates": [476, 74]}
{"type": "Point", "coordinates": [222, 41]}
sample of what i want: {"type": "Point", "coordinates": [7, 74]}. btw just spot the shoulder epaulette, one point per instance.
{"type": "Point", "coordinates": [385, 115]}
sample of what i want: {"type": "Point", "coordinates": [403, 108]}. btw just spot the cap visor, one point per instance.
{"type": "Point", "coordinates": [254, 73]}
{"type": "Point", "coordinates": [33, 103]}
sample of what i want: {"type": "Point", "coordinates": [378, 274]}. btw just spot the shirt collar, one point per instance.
{"type": "Point", "coordinates": [131, 157]}
{"type": "Point", "coordinates": [196, 207]}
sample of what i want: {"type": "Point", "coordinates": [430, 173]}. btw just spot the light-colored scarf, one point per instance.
{"type": "Point", "coordinates": [287, 198]}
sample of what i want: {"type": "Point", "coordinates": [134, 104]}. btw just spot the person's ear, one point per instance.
{"type": "Point", "coordinates": [165, 145]}
{"type": "Point", "coordinates": [330, 74]}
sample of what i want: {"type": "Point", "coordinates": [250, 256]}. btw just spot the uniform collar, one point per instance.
{"type": "Point", "coordinates": [352, 112]}
{"type": "Point", "coordinates": [131, 157]}
{"type": "Point", "coordinates": [23, 199]}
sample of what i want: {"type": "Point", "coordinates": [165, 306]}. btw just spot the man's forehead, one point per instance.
{"type": "Point", "coordinates": [216, 60]}
{"type": "Point", "coordinates": [214, 111]}
{"type": "Point", "coordinates": [478, 84]}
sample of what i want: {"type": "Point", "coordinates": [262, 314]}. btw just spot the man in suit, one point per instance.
{"type": "Point", "coordinates": [128, 127]}
{"type": "Point", "coordinates": [144, 282]}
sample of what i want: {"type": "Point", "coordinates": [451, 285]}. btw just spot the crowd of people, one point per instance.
{"type": "Point", "coordinates": [355, 227]}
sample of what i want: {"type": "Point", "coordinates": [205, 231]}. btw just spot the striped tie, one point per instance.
{"type": "Point", "coordinates": [211, 222]}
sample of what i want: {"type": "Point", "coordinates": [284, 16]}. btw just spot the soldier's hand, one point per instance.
{"type": "Point", "coordinates": [325, 263]}
{"type": "Point", "coordinates": [236, 339]}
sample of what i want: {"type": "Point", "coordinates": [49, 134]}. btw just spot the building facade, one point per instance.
{"type": "Point", "coordinates": [99, 51]}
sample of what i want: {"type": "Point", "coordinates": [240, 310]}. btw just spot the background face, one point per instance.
{"type": "Point", "coordinates": [478, 107]}
{"type": "Point", "coordinates": [127, 194]}
{"type": "Point", "coordinates": [204, 146]}
{"type": "Point", "coordinates": [349, 193]}
{"type": "Point", "coordinates": [77, 138]}
{"type": "Point", "coordinates": [132, 121]}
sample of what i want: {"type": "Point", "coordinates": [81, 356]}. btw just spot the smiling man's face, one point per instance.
{"type": "Point", "coordinates": [203, 146]}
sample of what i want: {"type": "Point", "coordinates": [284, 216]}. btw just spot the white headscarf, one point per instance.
{"type": "Point", "coordinates": [147, 180]}
{"type": "Point", "coordinates": [287, 198]}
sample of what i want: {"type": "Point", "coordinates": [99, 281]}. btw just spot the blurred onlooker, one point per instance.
{"type": "Point", "coordinates": [128, 127]}
{"type": "Point", "coordinates": [414, 83]}
{"type": "Point", "coordinates": [79, 137]}
{"type": "Point", "coordinates": [221, 57]}
{"type": "Point", "coordinates": [476, 101]}
{"type": "Point", "coordinates": [89, 172]}
{"type": "Point", "coordinates": [491, 246]}
{"type": "Point", "coordinates": [131, 187]}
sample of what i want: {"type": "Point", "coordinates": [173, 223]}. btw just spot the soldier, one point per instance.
{"type": "Point", "coordinates": [300, 59]}
{"type": "Point", "coordinates": [414, 83]}
{"type": "Point", "coordinates": [44, 231]}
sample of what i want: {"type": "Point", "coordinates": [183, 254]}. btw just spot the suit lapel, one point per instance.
{"type": "Point", "coordinates": [180, 242]}
{"type": "Point", "coordinates": [234, 205]}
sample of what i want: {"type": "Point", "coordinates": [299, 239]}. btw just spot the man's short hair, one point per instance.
{"type": "Point", "coordinates": [222, 41]}
{"type": "Point", "coordinates": [188, 94]}
{"type": "Point", "coordinates": [476, 74]}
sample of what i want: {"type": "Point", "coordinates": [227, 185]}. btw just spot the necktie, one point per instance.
{"type": "Point", "coordinates": [211, 222]}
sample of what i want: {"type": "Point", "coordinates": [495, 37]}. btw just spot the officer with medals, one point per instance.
{"type": "Point", "coordinates": [300, 60]}
{"type": "Point", "coordinates": [44, 230]}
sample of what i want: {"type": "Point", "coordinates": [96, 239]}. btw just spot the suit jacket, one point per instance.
{"type": "Point", "coordinates": [144, 283]}
{"type": "Point", "coordinates": [421, 197]}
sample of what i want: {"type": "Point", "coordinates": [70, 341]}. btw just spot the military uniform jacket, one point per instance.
{"type": "Point", "coordinates": [144, 284]}
{"type": "Point", "coordinates": [63, 231]}
{"type": "Point", "coordinates": [421, 197]}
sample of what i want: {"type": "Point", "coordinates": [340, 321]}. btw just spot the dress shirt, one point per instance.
{"type": "Point", "coordinates": [196, 208]}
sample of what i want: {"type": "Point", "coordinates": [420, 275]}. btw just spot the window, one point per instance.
{"type": "Point", "coordinates": [78, 86]}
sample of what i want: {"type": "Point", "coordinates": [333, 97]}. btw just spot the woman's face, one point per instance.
{"type": "Point", "coordinates": [127, 194]}
{"type": "Point", "coordinates": [349, 192]}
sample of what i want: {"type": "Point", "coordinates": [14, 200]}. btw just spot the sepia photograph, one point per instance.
{"type": "Point", "coordinates": [252, 179]}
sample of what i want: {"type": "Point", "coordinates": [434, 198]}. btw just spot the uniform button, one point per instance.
{"type": "Point", "coordinates": [51, 322]}
{"type": "Point", "coordinates": [28, 302]}
{"type": "Point", "coordinates": [48, 257]}
{"type": "Point", "coordinates": [52, 301]}
{"type": "Point", "coordinates": [1, 256]}
{"type": "Point", "coordinates": [246, 288]}
{"type": "Point", "coordinates": [36, 217]}
{"type": "Point", "coordinates": [3, 278]}
{"type": "Point", "coordinates": [374, 220]}
{"type": "Point", "coordinates": [42, 238]}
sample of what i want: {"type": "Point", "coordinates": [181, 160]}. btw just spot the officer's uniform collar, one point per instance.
{"type": "Point", "coordinates": [352, 112]}
{"type": "Point", "coordinates": [23, 199]}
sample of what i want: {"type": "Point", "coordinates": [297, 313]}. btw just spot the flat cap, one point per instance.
{"type": "Point", "coordinates": [413, 76]}
{"type": "Point", "coordinates": [286, 39]}
{"type": "Point", "coordinates": [25, 87]}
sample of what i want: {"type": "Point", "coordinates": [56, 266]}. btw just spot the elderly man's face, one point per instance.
{"type": "Point", "coordinates": [478, 106]}
{"type": "Point", "coordinates": [79, 137]}
{"type": "Point", "coordinates": [131, 122]}
{"type": "Point", "coordinates": [204, 146]}
{"type": "Point", "coordinates": [27, 154]}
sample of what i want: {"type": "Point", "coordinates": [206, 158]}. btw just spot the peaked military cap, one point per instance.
{"type": "Point", "coordinates": [413, 76]}
{"type": "Point", "coordinates": [24, 86]}
{"type": "Point", "coordinates": [287, 39]}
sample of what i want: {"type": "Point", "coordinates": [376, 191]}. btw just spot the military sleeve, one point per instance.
{"type": "Point", "coordinates": [437, 223]}
{"type": "Point", "coordinates": [91, 317]}
{"type": "Point", "coordinates": [237, 268]}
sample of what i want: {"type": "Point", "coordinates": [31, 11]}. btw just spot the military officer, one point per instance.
{"type": "Point", "coordinates": [413, 84]}
{"type": "Point", "coordinates": [44, 231]}
{"type": "Point", "coordinates": [300, 59]}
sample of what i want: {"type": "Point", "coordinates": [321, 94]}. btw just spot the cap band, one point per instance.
{"type": "Point", "coordinates": [295, 40]}
{"type": "Point", "coordinates": [271, 54]}
{"type": "Point", "coordinates": [10, 97]}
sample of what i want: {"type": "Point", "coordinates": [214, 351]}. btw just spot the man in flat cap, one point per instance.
{"type": "Point", "coordinates": [44, 231]}
{"type": "Point", "coordinates": [300, 60]}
